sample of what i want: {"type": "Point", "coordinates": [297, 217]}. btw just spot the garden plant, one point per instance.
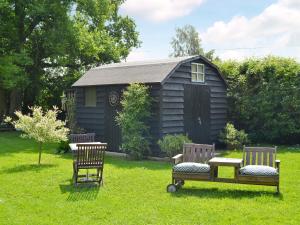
{"type": "Point", "coordinates": [43, 127]}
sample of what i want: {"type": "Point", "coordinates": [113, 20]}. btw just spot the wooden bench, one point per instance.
{"type": "Point", "coordinates": [259, 166]}
{"type": "Point", "coordinates": [82, 138]}
{"type": "Point", "coordinates": [197, 153]}
{"type": "Point", "coordinates": [265, 156]}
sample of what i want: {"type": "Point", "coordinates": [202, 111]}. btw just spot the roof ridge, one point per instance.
{"type": "Point", "coordinates": [143, 63]}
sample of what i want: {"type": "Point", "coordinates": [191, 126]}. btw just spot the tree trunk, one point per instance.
{"type": "Point", "coordinates": [40, 152]}
{"type": "Point", "coordinates": [15, 102]}
{"type": "Point", "coordinates": [3, 104]}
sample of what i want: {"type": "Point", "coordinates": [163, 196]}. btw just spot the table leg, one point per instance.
{"type": "Point", "coordinates": [216, 172]}
{"type": "Point", "coordinates": [236, 172]}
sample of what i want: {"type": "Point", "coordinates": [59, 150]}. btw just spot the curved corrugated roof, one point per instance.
{"type": "Point", "coordinates": [154, 71]}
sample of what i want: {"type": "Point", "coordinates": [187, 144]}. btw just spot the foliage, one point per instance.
{"type": "Point", "coordinates": [133, 120]}
{"type": "Point", "coordinates": [46, 45]}
{"type": "Point", "coordinates": [69, 105]}
{"type": "Point", "coordinates": [264, 97]}
{"type": "Point", "coordinates": [63, 147]}
{"type": "Point", "coordinates": [234, 138]}
{"type": "Point", "coordinates": [187, 43]}
{"type": "Point", "coordinates": [137, 187]}
{"type": "Point", "coordinates": [173, 144]}
{"type": "Point", "coordinates": [41, 126]}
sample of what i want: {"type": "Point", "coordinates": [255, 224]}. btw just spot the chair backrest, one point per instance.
{"type": "Point", "coordinates": [82, 138]}
{"type": "Point", "coordinates": [259, 156]}
{"type": "Point", "coordinates": [199, 153]}
{"type": "Point", "coordinates": [90, 154]}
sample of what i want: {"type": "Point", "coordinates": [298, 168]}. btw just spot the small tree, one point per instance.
{"type": "Point", "coordinates": [132, 120]}
{"type": "Point", "coordinates": [233, 138]}
{"type": "Point", "coordinates": [41, 126]}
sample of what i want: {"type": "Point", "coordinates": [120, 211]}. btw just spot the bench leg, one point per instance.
{"type": "Point", "coordinates": [277, 188]}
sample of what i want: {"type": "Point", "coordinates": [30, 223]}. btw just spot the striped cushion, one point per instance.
{"type": "Point", "coordinates": [190, 167]}
{"type": "Point", "coordinates": [256, 170]}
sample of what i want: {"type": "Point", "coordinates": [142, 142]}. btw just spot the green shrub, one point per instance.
{"type": "Point", "coordinates": [233, 138]}
{"type": "Point", "coordinates": [63, 147]}
{"type": "Point", "coordinates": [172, 144]}
{"type": "Point", "coordinates": [133, 118]}
{"type": "Point", "coordinates": [264, 98]}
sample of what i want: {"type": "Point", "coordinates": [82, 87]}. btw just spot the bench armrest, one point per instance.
{"type": "Point", "coordinates": [277, 164]}
{"type": "Point", "coordinates": [177, 159]}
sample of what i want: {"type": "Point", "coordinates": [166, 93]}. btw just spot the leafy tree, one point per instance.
{"type": "Point", "coordinates": [132, 119]}
{"type": "Point", "coordinates": [264, 97]}
{"type": "Point", "coordinates": [56, 40]}
{"type": "Point", "coordinates": [187, 43]}
{"type": "Point", "coordinates": [41, 126]}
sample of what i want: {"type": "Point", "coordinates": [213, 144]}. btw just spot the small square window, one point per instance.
{"type": "Point", "coordinates": [198, 72]}
{"type": "Point", "coordinates": [194, 68]}
{"type": "Point", "coordinates": [90, 97]}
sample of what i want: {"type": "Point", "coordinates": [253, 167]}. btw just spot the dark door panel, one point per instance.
{"type": "Point", "coordinates": [197, 113]}
{"type": "Point", "coordinates": [112, 132]}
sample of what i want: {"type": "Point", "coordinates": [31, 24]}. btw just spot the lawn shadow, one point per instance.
{"type": "Point", "coordinates": [127, 163]}
{"type": "Point", "coordinates": [224, 193]}
{"type": "Point", "coordinates": [27, 167]}
{"type": "Point", "coordinates": [87, 192]}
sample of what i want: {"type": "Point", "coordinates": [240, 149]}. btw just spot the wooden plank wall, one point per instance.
{"type": "Point", "coordinates": [91, 119]}
{"type": "Point", "coordinates": [172, 100]}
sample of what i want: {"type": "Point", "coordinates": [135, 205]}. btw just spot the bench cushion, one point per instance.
{"type": "Point", "coordinates": [191, 167]}
{"type": "Point", "coordinates": [257, 170]}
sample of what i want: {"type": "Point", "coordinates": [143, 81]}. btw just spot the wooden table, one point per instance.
{"type": "Point", "coordinates": [73, 146]}
{"type": "Point", "coordinates": [219, 161]}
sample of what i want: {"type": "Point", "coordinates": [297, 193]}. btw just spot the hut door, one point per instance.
{"type": "Point", "coordinates": [197, 113]}
{"type": "Point", "coordinates": [112, 131]}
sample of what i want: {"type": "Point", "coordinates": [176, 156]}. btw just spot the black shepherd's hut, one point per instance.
{"type": "Point", "coordinates": [189, 97]}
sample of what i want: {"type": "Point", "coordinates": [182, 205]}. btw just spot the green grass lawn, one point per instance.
{"type": "Point", "coordinates": [134, 192]}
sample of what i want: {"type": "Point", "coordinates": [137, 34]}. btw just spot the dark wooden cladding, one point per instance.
{"type": "Point", "coordinates": [172, 103]}
{"type": "Point", "coordinates": [96, 119]}
{"type": "Point", "coordinates": [91, 118]}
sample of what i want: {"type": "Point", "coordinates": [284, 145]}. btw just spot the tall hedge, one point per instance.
{"type": "Point", "coordinates": [264, 97]}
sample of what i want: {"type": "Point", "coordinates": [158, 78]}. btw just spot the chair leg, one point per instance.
{"type": "Point", "coordinates": [75, 175]}
{"type": "Point", "coordinates": [99, 176]}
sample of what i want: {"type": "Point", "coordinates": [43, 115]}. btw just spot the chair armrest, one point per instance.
{"type": "Point", "coordinates": [177, 159]}
{"type": "Point", "coordinates": [277, 164]}
{"type": "Point", "coordinates": [242, 163]}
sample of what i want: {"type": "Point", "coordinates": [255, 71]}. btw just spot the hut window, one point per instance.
{"type": "Point", "coordinates": [90, 96]}
{"type": "Point", "coordinates": [198, 74]}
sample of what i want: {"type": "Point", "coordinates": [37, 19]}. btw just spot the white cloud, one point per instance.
{"type": "Point", "coordinates": [276, 30]}
{"type": "Point", "coordinates": [160, 10]}
{"type": "Point", "coordinates": [140, 55]}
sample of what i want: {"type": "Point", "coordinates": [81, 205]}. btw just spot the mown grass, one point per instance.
{"type": "Point", "coordinates": [134, 192]}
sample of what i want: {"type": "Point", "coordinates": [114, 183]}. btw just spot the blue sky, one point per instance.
{"type": "Point", "coordinates": [235, 28]}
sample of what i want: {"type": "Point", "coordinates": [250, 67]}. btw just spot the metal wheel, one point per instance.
{"type": "Point", "coordinates": [171, 188]}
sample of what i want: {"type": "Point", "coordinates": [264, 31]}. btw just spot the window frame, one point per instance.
{"type": "Point", "coordinates": [198, 73]}
{"type": "Point", "coordinates": [94, 92]}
